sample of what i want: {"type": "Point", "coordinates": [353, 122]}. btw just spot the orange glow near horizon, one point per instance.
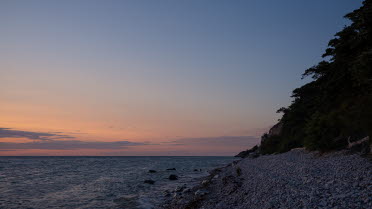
{"type": "Point", "coordinates": [84, 126]}
{"type": "Point", "coordinates": [154, 125]}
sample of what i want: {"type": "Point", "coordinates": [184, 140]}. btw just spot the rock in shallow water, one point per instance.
{"type": "Point", "coordinates": [171, 169]}
{"type": "Point", "coordinates": [149, 181]}
{"type": "Point", "coordinates": [173, 177]}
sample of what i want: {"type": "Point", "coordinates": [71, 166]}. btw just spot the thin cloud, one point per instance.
{"type": "Point", "coordinates": [68, 145]}
{"type": "Point", "coordinates": [45, 136]}
{"type": "Point", "coordinates": [217, 141]}
{"type": "Point", "coordinates": [49, 141]}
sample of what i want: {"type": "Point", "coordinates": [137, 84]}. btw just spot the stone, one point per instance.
{"type": "Point", "coordinates": [177, 195]}
{"type": "Point", "coordinates": [180, 188]}
{"type": "Point", "coordinates": [246, 153]}
{"type": "Point", "coordinates": [335, 180]}
{"type": "Point", "coordinates": [173, 177]}
{"type": "Point", "coordinates": [254, 154]}
{"type": "Point", "coordinates": [166, 193]}
{"type": "Point", "coordinates": [149, 181]}
{"type": "Point", "coordinates": [205, 182]}
{"type": "Point", "coordinates": [200, 193]}
{"type": "Point", "coordinates": [361, 145]}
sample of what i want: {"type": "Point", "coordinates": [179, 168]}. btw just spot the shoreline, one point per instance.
{"type": "Point", "coordinates": [295, 179]}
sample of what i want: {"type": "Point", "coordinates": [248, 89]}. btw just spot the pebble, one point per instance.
{"type": "Point", "coordinates": [295, 179]}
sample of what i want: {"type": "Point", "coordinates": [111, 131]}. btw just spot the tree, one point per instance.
{"type": "Point", "coordinates": [337, 104]}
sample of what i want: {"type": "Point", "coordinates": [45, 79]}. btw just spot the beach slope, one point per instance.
{"type": "Point", "coordinates": [295, 179]}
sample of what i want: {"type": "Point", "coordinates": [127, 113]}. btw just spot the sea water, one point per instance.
{"type": "Point", "coordinates": [96, 182]}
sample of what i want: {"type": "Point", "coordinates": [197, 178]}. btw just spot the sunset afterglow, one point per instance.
{"type": "Point", "coordinates": [124, 78]}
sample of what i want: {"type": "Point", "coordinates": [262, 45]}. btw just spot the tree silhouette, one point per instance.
{"type": "Point", "coordinates": [337, 103]}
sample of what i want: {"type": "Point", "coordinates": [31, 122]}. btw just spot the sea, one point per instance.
{"type": "Point", "coordinates": [96, 182]}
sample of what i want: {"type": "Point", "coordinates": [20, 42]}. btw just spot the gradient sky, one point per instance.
{"type": "Point", "coordinates": [153, 77]}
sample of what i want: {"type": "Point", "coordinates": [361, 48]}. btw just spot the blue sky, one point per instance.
{"type": "Point", "coordinates": [158, 70]}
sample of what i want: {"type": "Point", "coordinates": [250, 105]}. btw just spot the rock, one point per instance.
{"type": "Point", "coordinates": [254, 154]}
{"type": "Point", "coordinates": [152, 171]}
{"type": "Point", "coordinates": [334, 180]}
{"type": "Point", "coordinates": [173, 177]}
{"type": "Point", "coordinates": [238, 171]}
{"type": "Point", "coordinates": [323, 203]}
{"type": "Point", "coordinates": [276, 129]}
{"type": "Point", "coordinates": [246, 153]}
{"type": "Point", "coordinates": [171, 169]}
{"type": "Point", "coordinates": [361, 145]}
{"type": "Point", "coordinates": [196, 170]}
{"type": "Point", "coordinates": [200, 193]}
{"type": "Point", "coordinates": [166, 193]}
{"type": "Point", "coordinates": [180, 188]}
{"type": "Point", "coordinates": [149, 181]}
{"type": "Point", "coordinates": [177, 195]}
{"type": "Point", "coordinates": [205, 182]}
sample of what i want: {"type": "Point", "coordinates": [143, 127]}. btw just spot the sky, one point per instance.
{"type": "Point", "coordinates": [153, 77]}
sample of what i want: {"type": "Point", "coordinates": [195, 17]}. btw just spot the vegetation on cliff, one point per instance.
{"type": "Point", "coordinates": [336, 106]}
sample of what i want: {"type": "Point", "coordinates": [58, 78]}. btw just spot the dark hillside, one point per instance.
{"type": "Point", "coordinates": [336, 107]}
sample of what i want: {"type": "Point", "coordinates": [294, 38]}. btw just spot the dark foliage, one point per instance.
{"type": "Point", "coordinates": [337, 104]}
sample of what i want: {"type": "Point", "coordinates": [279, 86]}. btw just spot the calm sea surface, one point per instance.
{"type": "Point", "coordinates": [95, 182]}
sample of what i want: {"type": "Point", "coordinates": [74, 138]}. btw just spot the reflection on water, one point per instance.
{"type": "Point", "coordinates": [94, 182]}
